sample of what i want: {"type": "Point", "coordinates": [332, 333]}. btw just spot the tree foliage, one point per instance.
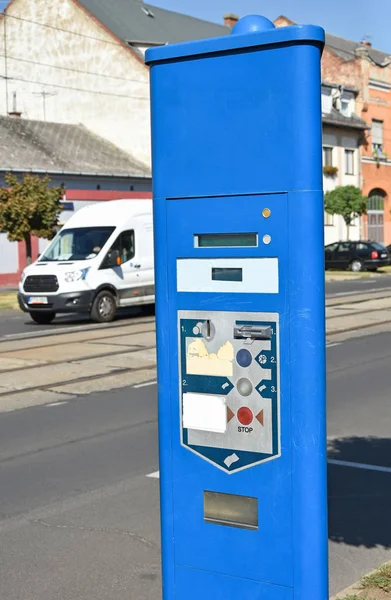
{"type": "Point", "coordinates": [29, 207]}
{"type": "Point", "coordinates": [346, 201]}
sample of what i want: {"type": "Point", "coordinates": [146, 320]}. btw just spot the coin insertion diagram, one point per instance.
{"type": "Point", "coordinates": [229, 366]}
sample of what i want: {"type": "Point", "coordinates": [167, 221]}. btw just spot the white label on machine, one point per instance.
{"type": "Point", "coordinates": [205, 412]}
{"type": "Point", "coordinates": [240, 275]}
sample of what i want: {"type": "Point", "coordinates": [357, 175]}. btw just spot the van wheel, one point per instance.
{"type": "Point", "coordinates": [104, 307]}
{"type": "Point", "coordinates": [356, 265]}
{"type": "Point", "coordinates": [42, 318]}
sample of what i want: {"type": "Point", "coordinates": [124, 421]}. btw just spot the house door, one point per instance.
{"type": "Point", "coordinates": [376, 216]}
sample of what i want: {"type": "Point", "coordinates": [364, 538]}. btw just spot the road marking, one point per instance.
{"type": "Point", "coordinates": [59, 403]}
{"type": "Point", "coordinates": [332, 344]}
{"type": "Point", "coordinates": [154, 475]}
{"type": "Point", "coordinates": [141, 385]}
{"type": "Point", "coordinates": [354, 465]}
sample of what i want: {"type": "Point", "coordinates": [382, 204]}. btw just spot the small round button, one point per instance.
{"type": "Point", "coordinates": [245, 415]}
{"type": "Point", "coordinates": [244, 358]}
{"type": "Point", "coordinates": [244, 387]}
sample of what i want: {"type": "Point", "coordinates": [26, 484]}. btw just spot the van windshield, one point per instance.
{"type": "Point", "coordinates": [82, 243]}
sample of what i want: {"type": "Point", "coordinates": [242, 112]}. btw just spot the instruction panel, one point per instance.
{"type": "Point", "coordinates": [229, 366]}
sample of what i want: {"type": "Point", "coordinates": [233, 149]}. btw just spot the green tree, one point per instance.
{"type": "Point", "coordinates": [29, 207]}
{"type": "Point", "coordinates": [346, 201]}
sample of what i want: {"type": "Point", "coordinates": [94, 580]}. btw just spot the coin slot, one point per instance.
{"type": "Point", "coordinates": [208, 330]}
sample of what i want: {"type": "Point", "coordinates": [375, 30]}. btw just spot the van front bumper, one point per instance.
{"type": "Point", "coordinates": [71, 302]}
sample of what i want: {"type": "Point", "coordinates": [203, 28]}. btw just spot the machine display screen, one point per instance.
{"type": "Point", "coordinates": [226, 240]}
{"type": "Point", "coordinates": [227, 274]}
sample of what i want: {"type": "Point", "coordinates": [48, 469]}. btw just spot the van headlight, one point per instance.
{"type": "Point", "coordinates": [79, 275]}
{"type": "Point", "coordinates": [23, 276]}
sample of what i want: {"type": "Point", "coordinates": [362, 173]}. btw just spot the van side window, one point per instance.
{"type": "Point", "coordinates": [125, 246]}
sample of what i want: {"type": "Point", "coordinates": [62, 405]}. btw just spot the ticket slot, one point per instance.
{"type": "Point", "coordinates": [252, 332]}
{"type": "Point", "coordinates": [231, 510]}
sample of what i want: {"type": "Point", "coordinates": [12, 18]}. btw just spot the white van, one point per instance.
{"type": "Point", "coordinates": [100, 260]}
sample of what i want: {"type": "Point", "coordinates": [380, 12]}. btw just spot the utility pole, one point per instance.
{"type": "Point", "coordinates": [5, 61]}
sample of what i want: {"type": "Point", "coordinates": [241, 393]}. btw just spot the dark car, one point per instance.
{"type": "Point", "coordinates": [356, 256]}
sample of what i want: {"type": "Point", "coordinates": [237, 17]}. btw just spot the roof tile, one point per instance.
{"type": "Point", "coordinates": [129, 21]}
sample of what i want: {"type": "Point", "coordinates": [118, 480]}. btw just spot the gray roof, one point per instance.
{"type": "Point", "coordinates": [345, 49]}
{"type": "Point", "coordinates": [339, 120]}
{"type": "Point", "coordinates": [129, 21]}
{"type": "Point", "coordinates": [55, 147]}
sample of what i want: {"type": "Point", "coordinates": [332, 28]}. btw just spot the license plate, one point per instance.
{"type": "Point", "coordinates": [384, 255]}
{"type": "Point", "coordinates": [37, 300]}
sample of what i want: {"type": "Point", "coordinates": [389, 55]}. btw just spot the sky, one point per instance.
{"type": "Point", "coordinates": [352, 19]}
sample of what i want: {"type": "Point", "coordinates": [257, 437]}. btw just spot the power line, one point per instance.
{"type": "Point", "coordinates": [66, 87]}
{"type": "Point", "coordinates": [33, 62]}
{"type": "Point", "coordinates": [90, 37]}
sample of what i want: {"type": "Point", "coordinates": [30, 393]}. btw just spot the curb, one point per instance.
{"type": "Point", "coordinates": [357, 327]}
{"type": "Point", "coordinates": [355, 587]}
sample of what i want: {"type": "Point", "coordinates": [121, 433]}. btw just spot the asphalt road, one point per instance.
{"type": "Point", "coordinates": [15, 322]}
{"type": "Point", "coordinates": [79, 518]}
{"type": "Point", "coordinates": [357, 286]}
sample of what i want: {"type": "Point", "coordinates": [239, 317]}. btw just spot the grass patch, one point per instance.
{"type": "Point", "coordinates": [348, 275]}
{"type": "Point", "coordinates": [380, 579]}
{"type": "Point", "coordinates": [8, 300]}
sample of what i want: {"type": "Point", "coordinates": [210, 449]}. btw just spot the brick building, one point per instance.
{"type": "Point", "coordinates": [356, 68]}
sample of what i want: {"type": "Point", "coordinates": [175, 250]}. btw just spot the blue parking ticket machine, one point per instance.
{"type": "Point", "coordinates": [239, 264]}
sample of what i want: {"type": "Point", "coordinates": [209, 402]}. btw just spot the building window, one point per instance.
{"type": "Point", "coordinates": [377, 137]}
{"type": "Point", "coordinates": [345, 107]}
{"type": "Point", "coordinates": [327, 156]}
{"type": "Point", "coordinates": [327, 102]}
{"type": "Point", "coordinates": [349, 162]}
{"type": "Point", "coordinates": [328, 219]}
{"type": "Point", "coordinates": [347, 104]}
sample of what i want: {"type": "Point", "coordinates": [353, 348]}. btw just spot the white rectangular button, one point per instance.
{"type": "Point", "coordinates": [205, 412]}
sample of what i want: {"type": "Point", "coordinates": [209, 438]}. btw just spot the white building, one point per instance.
{"type": "Point", "coordinates": [82, 61]}
{"type": "Point", "coordinates": [343, 134]}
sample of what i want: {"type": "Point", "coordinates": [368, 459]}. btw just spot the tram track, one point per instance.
{"type": "Point", "coordinates": [57, 343]}
{"type": "Point", "coordinates": [73, 331]}
{"type": "Point", "coordinates": [118, 355]}
{"type": "Point", "coordinates": [89, 378]}
{"type": "Point", "coordinates": [131, 350]}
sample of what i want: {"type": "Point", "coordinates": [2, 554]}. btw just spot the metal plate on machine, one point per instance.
{"type": "Point", "coordinates": [230, 399]}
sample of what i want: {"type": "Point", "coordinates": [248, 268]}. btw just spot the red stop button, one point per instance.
{"type": "Point", "coordinates": [245, 415]}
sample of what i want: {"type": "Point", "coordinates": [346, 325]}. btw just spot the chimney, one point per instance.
{"type": "Point", "coordinates": [230, 20]}
{"type": "Point", "coordinates": [283, 21]}
{"type": "Point", "coordinates": [14, 113]}
{"type": "Point", "coordinates": [366, 43]}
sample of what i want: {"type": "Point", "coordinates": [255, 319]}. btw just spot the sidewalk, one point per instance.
{"type": "Point", "coordinates": [351, 315]}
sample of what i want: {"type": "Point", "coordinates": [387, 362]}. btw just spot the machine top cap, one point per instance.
{"type": "Point", "coordinates": [251, 24]}
{"type": "Point", "coordinates": [250, 32]}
